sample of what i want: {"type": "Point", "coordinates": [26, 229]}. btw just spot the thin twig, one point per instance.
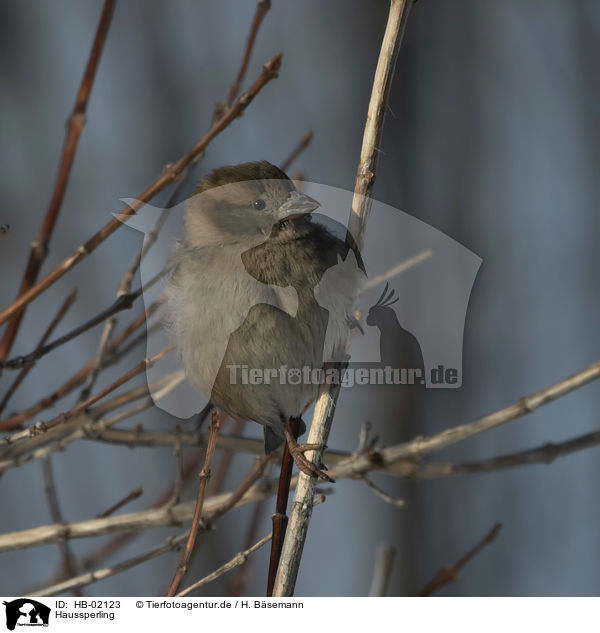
{"type": "Point", "coordinates": [398, 503]}
{"type": "Point", "coordinates": [239, 559]}
{"type": "Point", "coordinates": [420, 446]}
{"type": "Point", "coordinates": [170, 544]}
{"type": "Point", "coordinates": [204, 477]}
{"type": "Point", "coordinates": [399, 459]}
{"type": "Point", "coordinates": [164, 499]}
{"type": "Point", "coordinates": [397, 269]}
{"type": "Point", "coordinates": [134, 494]}
{"type": "Point", "coordinates": [113, 355]}
{"type": "Point", "coordinates": [302, 145]}
{"type": "Point", "coordinates": [262, 7]}
{"type": "Point", "coordinates": [449, 573]}
{"type": "Point", "coordinates": [222, 469]}
{"type": "Point", "coordinates": [123, 302]}
{"type": "Point", "coordinates": [124, 287]}
{"type": "Point", "coordinates": [237, 583]}
{"type": "Point", "coordinates": [75, 123]}
{"type": "Point", "coordinates": [361, 204]}
{"type": "Point", "coordinates": [51, 327]}
{"type": "Point", "coordinates": [178, 455]}
{"type": "Point", "coordinates": [69, 568]}
{"type": "Point", "coordinates": [382, 569]}
{"type": "Point", "coordinates": [132, 373]}
{"type": "Point", "coordinates": [169, 174]}
{"type": "Point", "coordinates": [214, 507]}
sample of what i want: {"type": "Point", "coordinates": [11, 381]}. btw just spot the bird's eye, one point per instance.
{"type": "Point", "coordinates": [259, 204]}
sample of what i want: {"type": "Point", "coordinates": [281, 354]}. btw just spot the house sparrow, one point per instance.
{"type": "Point", "coordinates": [249, 296]}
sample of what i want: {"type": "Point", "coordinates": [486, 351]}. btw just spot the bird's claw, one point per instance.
{"type": "Point", "coordinates": [307, 467]}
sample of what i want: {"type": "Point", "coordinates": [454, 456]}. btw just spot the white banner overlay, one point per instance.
{"type": "Point", "coordinates": [299, 614]}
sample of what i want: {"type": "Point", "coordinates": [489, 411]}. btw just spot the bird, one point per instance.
{"type": "Point", "coordinates": [259, 284]}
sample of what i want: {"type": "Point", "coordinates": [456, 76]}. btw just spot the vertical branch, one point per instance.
{"type": "Point", "coordinates": [237, 583]}
{"type": "Point", "coordinates": [280, 519]}
{"type": "Point", "coordinates": [361, 205]}
{"type": "Point", "coordinates": [75, 123]}
{"type": "Point", "coordinates": [69, 569]}
{"type": "Point", "coordinates": [369, 153]}
{"type": "Point", "coordinates": [262, 7]}
{"type": "Point", "coordinates": [382, 570]}
{"type": "Point", "coordinates": [204, 477]}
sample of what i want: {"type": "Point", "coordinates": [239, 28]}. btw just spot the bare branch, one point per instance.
{"type": "Point", "coordinates": [397, 270]}
{"type": "Point", "coordinates": [239, 559]}
{"type": "Point", "coordinates": [171, 543]}
{"type": "Point", "coordinates": [204, 477]}
{"type": "Point", "coordinates": [68, 560]}
{"type": "Point", "coordinates": [399, 459]}
{"type": "Point", "coordinates": [262, 7]}
{"type": "Point", "coordinates": [178, 454]}
{"type": "Point", "coordinates": [361, 205]}
{"type": "Point", "coordinates": [132, 373]}
{"type": "Point", "coordinates": [51, 327]}
{"type": "Point", "coordinates": [399, 503]}
{"type": "Point", "coordinates": [421, 446]}
{"type": "Point", "coordinates": [449, 573]}
{"type": "Point", "coordinates": [384, 561]}
{"type": "Point", "coordinates": [75, 123]}
{"type": "Point", "coordinates": [114, 353]}
{"type": "Point", "coordinates": [164, 499]}
{"type": "Point", "coordinates": [237, 583]}
{"type": "Point", "coordinates": [170, 173]}
{"type": "Point", "coordinates": [125, 285]}
{"type": "Point", "coordinates": [123, 302]}
{"type": "Point", "coordinates": [348, 465]}
{"type": "Point", "coordinates": [134, 494]}
{"type": "Point", "coordinates": [302, 145]}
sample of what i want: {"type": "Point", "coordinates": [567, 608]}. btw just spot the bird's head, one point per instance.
{"type": "Point", "coordinates": [243, 203]}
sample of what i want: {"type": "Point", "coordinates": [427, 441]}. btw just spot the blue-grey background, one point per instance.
{"type": "Point", "coordinates": [492, 137]}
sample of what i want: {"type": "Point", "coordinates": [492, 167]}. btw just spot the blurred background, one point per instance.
{"type": "Point", "coordinates": [492, 137]}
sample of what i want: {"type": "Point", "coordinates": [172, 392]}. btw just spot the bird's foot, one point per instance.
{"type": "Point", "coordinates": [307, 467]}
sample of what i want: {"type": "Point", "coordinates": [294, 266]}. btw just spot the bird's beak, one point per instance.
{"type": "Point", "coordinates": [297, 204]}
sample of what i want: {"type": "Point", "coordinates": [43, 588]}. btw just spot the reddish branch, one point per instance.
{"type": "Point", "coordinates": [75, 123]}
{"type": "Point", "coordinates": [132, 373]}
{"type": "Point", "coordinates": [134, 494]}
{"type": "Point", "coordinates": [204, 477]}
{"type": "Point", "coordinates": [280, 518]}
{"type": "Point", "coordinates": [302, 145]}
{"type": "Point", "coordinates": [170, 174]}
{"type": "Point", "coordinates": [262, 8]}
{"type": "Point", "coordinates": [449, 573]}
